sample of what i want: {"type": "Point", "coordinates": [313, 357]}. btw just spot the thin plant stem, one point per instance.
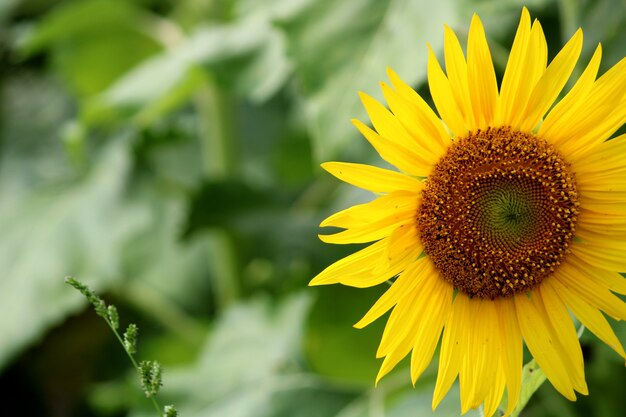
{"type": "Point", "coordinates": [156, 405]}
{"type": "Point", "coordinates": [149, 371]}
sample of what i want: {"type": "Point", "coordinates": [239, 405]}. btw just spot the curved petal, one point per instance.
{"type": "Point", "coordinates": [456, 70]}
{"type": "Point", "coordinates": [591, 118]}
{"type": "Point", "coordinates": [404, 242]}
{"type": "Point", "coordinates": [442, 94]}
{"type": "Point", "coordinates": [455, 336]}
{"type": "Point", "coordinates": [431, 148]}
{"type": "Point", "coordinates": [552, 82]}
{"type": "Point", "coordinates": [437, 303]}
{"type": "Point", "coordinates": [606, 157]}
{"type": "Point", "coordinates": [372, 178]}
{"type": "Point", "coordinates": [433, 126]}
{"type": "Point", "coordinates": [534, 66]}
{"type": "Point", "coordinates": [395, 154]}
{"type": "Point", "coordinates": [573, 99]}
{"type": "Point", "coordinates": [581, 283]}
{"type": "Point", "coordinates": [483, 86]}
{"type": "Point", "coordinates": [406, 282]}
{"type": "Point", "coordinates": [359, 262]}
{"type": "Point", "coordinates": [389, 127]}
{"type": "Point", "coordinates": [565, 333]}
{"type": "Point", "coordinates": [511, 350]}
{"type": "Point", "coordinates": [589, 316]}
{"type": "Point", "coordinates": [538, 335]}
{"type": "Point", "coordinates": [514, 90]}
{"type": "Point", "coordinates": [363, 215]}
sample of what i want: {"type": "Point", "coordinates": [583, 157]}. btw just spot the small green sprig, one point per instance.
{"type": "Point", "coordinates": [150, 372]}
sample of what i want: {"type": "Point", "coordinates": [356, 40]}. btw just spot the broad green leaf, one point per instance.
{"type": "Point", "coordinates": [94, 42]}
{"type": "Point", "coordinates": [340, 48]}
{"type": "Point", "coordinates": [55, 231]}
{"type": "Point", "coordinates": [250, 367]}
{"type": "Point", "coordinates": [6, 7]}
{"type": "Point", "coordinates": [99, 225]}
{"type": "Point", "coordinates": [247, 56]}
{"type": "Point", "coordinates": [334, 347]}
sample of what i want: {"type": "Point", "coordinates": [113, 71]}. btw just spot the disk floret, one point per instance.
{"type": "Point", "coordinates": [498, 212]}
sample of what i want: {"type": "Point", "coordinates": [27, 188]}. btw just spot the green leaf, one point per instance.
{"type": "Point", "coordinates": [250, 367]}
{"type": "Point", "coordinates": [55, 231]}
{"type": "Point", "coordinates": [94, 42]}
{"type": "Point", "coordinates": [532, 378]}
{"type": "Point", "coordinates": [334, 347]}
{"type": "Point", "coordinates": [6, 7]}
{"type": "Point", "coordinates": [224, 203]}
{"type": "Point", "coordinates": [247, 55]}
{"type": "Point", "coordinates": [340, 48]}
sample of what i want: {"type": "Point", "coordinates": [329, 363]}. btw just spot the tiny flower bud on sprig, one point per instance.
{"type": "Point", "coordinates": [150, 372]}
{"type": "Point", "coordinates": [130, 338]}
{"type": "Point", "coordinates": [170, 411]}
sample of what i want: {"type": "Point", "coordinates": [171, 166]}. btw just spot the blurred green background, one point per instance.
{"type": "Point", "coordinates": [167, 152]}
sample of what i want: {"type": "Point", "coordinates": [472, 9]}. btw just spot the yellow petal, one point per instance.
{"type": "Point", "coordinates": [370, 279]}
{"type": "Point", "coordinates": [383, 207]}
{"type": "Point", "coordinates": [602, 223]}
{"type": "Point", "coordinates": [404, 284]}
{"type": "Point", "coordinates": [372, 178]}
{"type": "Point", "coordinates": [533, 68]}
{"type": "Point", "coordinates": [572, 100]}
{"type": "Point", "coordinates": [515, 87]}
{"type": "Point", "coordinates": [403, 242]}
{"type": "Point", "coordinates": [609, 207]}
{"type": "Point", "coordinates": [483, 86]}
{"type": "Point", "coordinates": [437, 302]}
{"type": "Point", "coordinates": [592, 118]}
{"type": "Point", "coordinates": [581, 283]}
{"type": "Point", "coordinates": [606, 258]}
{"type": "Point", "coordinates": [419, 128]}
{"type": "Point", "coordinates": [443, 97]}
{"type": "Point", "coordinates": [479, 367]}
{"type": "Point", "coordinates": [511, 350]}
{"type": "Point", "coordinates": [389, 127]}
{"type": "Point", "coordinates": [552, 82]}
{"type": "Point", "coordinates": [609, 278]}
{"type": "Point", "coordinates": [456, 69]}
{"type": "Point", "coordinates": [495, 394]}
{"type": "Point", "coordinates": [370, 232]}
{"type": "Point", "coordinates": [536, 330]}
{"type": "Point", "coordinates": [433, 127]}
{"type": "Point", "coordinates": [395, 154]}
{"type": "Point", "coordinates": [602, 240]}
{"type": "Point", "coordinates": [455, 336]}
{"type": "Point", "coordinates": [589, 316]}
{"type": "Point", "coordinates": [358, 263]}
{"type": "Point", "coordinates": [400, 325]}
{"type": "Point", "coordinates": [565, 333]}
{"type": "Point", "coordinates": [606, 157]}
{"type": "Point", "coordinates": [397, 339]}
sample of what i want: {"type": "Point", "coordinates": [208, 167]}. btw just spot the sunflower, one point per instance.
{"type": "Point", "coordinates": [506, 215]}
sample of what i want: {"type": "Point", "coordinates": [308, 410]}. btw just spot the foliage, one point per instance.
{"type": "Point", "coordinates": [166, 153]}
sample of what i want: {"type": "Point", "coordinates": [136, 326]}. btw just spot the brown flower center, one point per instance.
{"type": "Point", "coordinates": [498, 212]}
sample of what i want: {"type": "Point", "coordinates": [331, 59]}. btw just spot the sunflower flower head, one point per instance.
{"type": "Point", "coordinates": [507, 213]}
